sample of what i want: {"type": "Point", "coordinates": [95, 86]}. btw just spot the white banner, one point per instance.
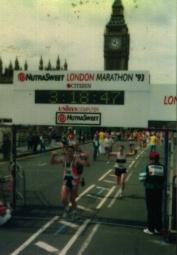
{"type": "Point", "coordinates": [82, 80]}
{"type": "Point", "coordinates": [92, 102]}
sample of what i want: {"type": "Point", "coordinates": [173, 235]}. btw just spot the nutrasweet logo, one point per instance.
{"type": "Point", "coordinates": [21, 77]}
{"type": "Point", "coordinates": [40, 77]}
{"type": "Point", "coordinates": [62, 118]}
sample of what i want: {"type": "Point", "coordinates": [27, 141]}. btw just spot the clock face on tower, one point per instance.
{"type": "Point", "coordinates": [115, 43]}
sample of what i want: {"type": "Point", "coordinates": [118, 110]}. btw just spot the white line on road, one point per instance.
{"type": "Point", "coordinates": [88, 240]}
{"type": "Point", "coordinates": [128, 177]}
{"type": "Point", "coordinates": [85, 191]}
{"type": "Point", "coordinates": [132, 163]}
{"type": "Point", "coordinates": [74, 238]}
{"type": "Point", "coordinates": [108, 181]}
{"type": "Point", "coordinates": [103, 176]}
{"type": "Point", "coordinates": [46, 247]}
{"type": "Point", "coordinates": [114, 199]}
{"type": "Point", "coordinates": [93, 196]}
{"type": "Point", "coordinates": [69, 224]}
{"type": "Point", "coordinates": [42, 164]}
{"type": "Point", "coordinates": [105, 198]}
{"type": "Point", "coordinates": [101, 187]}
{"type": "Point", "coordinates": [34, 236]}
{"type": "Point", "coordinates": [112, 175]}
{"type": "Point", "coordinates": [84, 208]}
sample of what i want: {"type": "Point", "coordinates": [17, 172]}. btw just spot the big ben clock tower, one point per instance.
{"type": "Point", "coordinates": [116, 40]}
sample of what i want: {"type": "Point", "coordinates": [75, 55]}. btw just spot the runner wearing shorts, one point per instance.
{"type": "Point", "coordinates": [120, 168]}
{"type": "Point", "coordinates": [71, 163]}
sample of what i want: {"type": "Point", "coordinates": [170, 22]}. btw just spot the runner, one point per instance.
{"type": "Point", "coordinates": [73, 166]}
{"type": "Point", "coordinates": [71, 137]}
{"type": "Point", "coordinates": [101, 136]}
{"type": "Point", "coordinates": [120, 169]}
{"type": "Point", "coordinates": [96, 145]}
{"type": "Point", "coordinates": [108, 143]}
{"type": "Point", "coordinates": [153, 141]}
{"type": "Point", "coordinates": [78, 152]}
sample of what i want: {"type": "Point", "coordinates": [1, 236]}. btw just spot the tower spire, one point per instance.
{"type": "Point", "coordinates": [65, 65]}
{"type": "Point", "coordinates": [41, 64]}
{"type": "Point", "coordinates": [17, 66]}
{"type": "Point", "coordinates": [58, 63]}
{"type": "Point", "coordinates": [26, 66]}
{"type": "Point", "coordinates": [117, 16]}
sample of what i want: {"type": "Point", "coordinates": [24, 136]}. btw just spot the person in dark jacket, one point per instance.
{"type": "Point", "coordinates": [96, 145]}
{"type": "Point", "coordinates": [6, 146]}
{"type": "Point", "coordinates": [153, 178]}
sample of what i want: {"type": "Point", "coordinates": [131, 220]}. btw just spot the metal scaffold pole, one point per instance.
{"type": "Point", "coordinates": [165, 213]}
{"type": "Point", "coordinates": [13, 169]}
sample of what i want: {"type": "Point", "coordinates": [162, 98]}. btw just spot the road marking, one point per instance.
{"type": "Point", "coordinates": [46, 247]}
{"type": "Point", "coordinates": [108, 181]}
{"type": "Point", "coordinates": [160, 242]}
{"type": "Point", "coordinates": [105, 198]}
{"type": "Point", "coordinates": [85, 191]}
{"type": "Point", "coordinates": [69, 224]}
{"type": "Point", "coordinates": [93, 196]}
{"type": "Point", "coordinates": [100, 191]}
{"type": "Point", "coordinates": [101, 187]}
{"type": "Point", "coordinates": [84, 208]}
{"type": "Point", "coordinates": [88, 240]}
{"type": "Point", "coordinates": [114, 199]}
{"type": "Point", "coordinates": [74, 238]}
{"type": "Point", "coordinates": [128, 177]}
{"type": "Point", "coordinates": [103, 176]}
{"type": "Point", "coordinates": [60, 230]}
{"type": "Point", "coordinates": [112, 175]}
{"type": "Point", "coordinates": [34, 236]}
{"type": "Point", "coordinates": [132, 163]}
{"type": "Point", "coordinates": [42, 164]}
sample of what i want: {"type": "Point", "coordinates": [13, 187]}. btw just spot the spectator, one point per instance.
{"type": "Point", "coordinates": [6, 145]}
{"type": "Point", "coordinates": [42, 143]}
{"type": "Point", "coordinates": [96, 145]}
{"type": "Point", "coordinates": [153, 178]}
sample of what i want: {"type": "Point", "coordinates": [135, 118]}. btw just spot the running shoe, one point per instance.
{"type": "Point", "coordinates": [147, 231]}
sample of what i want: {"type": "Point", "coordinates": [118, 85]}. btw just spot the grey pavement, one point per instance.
{"type": "Point", "coordinates": [23, 151]}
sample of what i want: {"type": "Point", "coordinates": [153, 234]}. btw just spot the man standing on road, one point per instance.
{"type": "Point", "coordinates": [153, 178]}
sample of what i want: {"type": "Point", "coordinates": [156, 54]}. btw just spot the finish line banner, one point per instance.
{"type": "Point", "coordinates": [96, 98]}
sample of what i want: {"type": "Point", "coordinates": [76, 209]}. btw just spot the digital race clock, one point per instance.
{"type": "Point", "coordinates": [79, 97]}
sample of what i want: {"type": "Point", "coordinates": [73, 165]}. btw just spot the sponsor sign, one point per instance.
{"type": "Point", "coordinates": [82, 80]}
{"type": "Point", "coordinates": [70, 118]}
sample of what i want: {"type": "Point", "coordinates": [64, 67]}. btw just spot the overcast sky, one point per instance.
{"type": "Point", "coordinates": [74, 29]}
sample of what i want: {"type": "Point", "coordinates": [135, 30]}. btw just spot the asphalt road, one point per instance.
{"type": "Point", "coordinates": [106, 224]}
